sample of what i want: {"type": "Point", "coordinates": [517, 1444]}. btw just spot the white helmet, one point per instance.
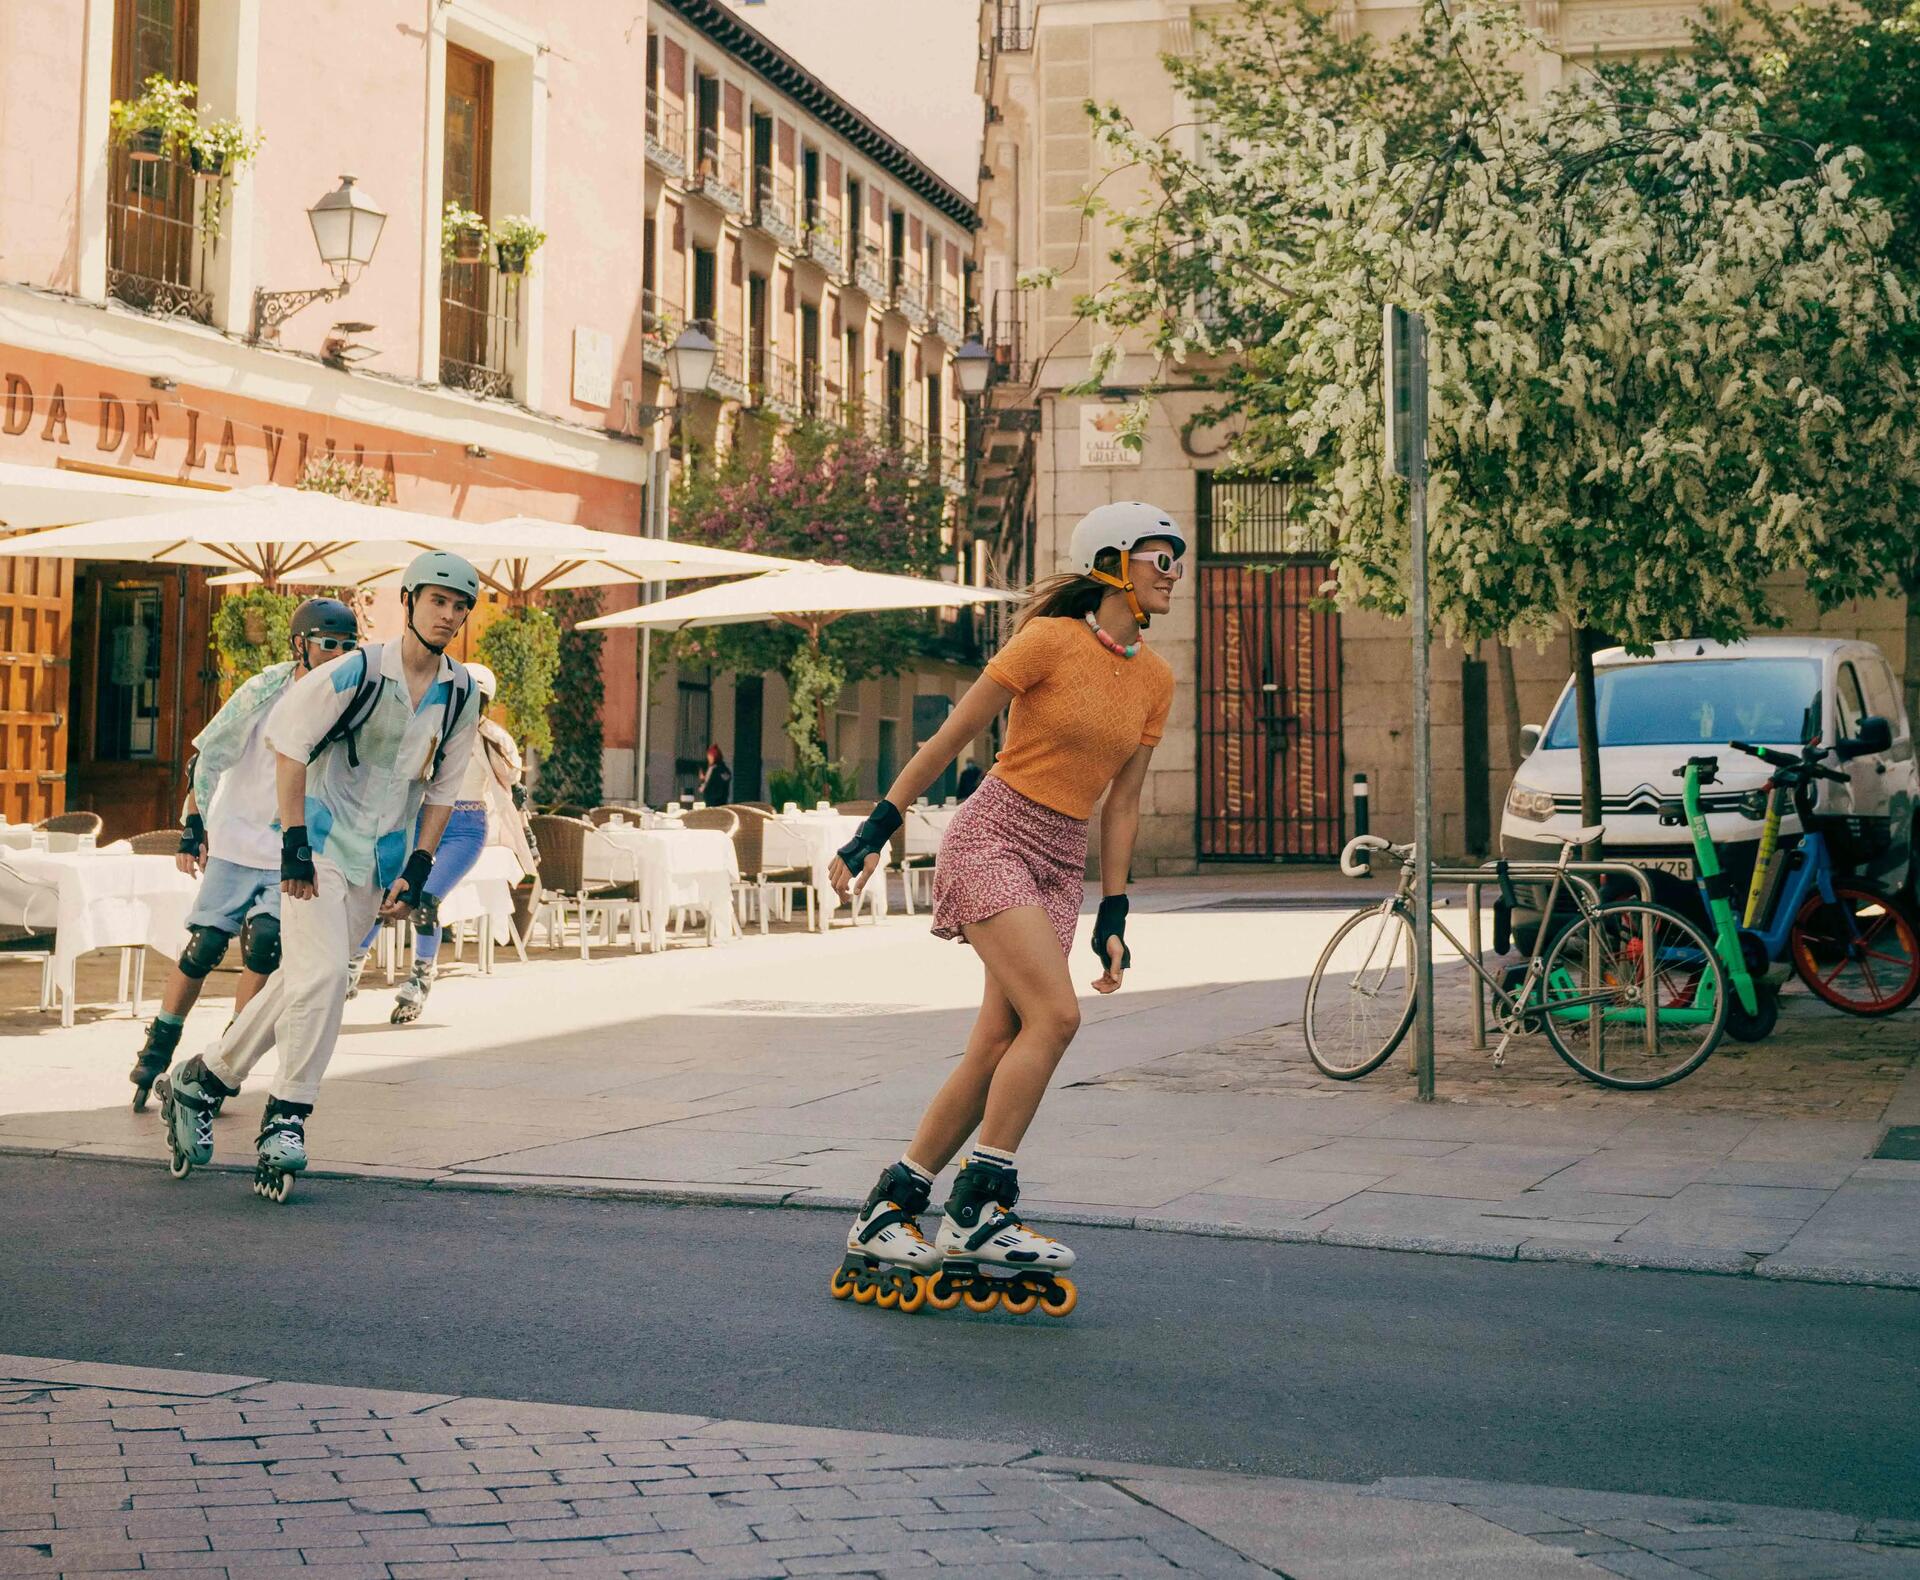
{"type": "Point", "coordinates": [1120, 526]}
{"type": "Point", "coordinates": [484, 681]}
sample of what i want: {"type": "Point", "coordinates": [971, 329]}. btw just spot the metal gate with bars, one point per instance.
{"type": "Point", "coordinates": [1269, 714]}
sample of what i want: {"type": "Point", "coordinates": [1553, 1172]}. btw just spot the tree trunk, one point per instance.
{"type": "Point", "coordinates": [1509, 702]}
{"type": "Point", "coordinates": [1910, 671]}
{"type": "Point", "coordinates": [1586, 709]}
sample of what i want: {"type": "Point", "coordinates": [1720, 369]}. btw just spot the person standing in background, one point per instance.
{"type": "Point", "coordinates": [716, 784]}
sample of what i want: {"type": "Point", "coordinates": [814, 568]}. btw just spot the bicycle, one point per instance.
{"type": "Point", "coordinates": [1854, 945]}
{"type": "Point", "coordinates": [1588, 984]}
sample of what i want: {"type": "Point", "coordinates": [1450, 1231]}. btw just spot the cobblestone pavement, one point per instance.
{"type": "Point", "coordinates": [113, 1469]}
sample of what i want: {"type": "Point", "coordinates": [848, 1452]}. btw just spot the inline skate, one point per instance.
{"type": "Point", "coordinates": [356, 967]}
{"type": "Point", "coordinates": [889, 1263]}
{"type": "Point", "coordinates": [990, 1257]}
{"type": "Point", "coordinates": [163, 1040]}
{"type": "Point", "coordinates": [283, 1148]}
{"type": "Point", "coordinates": [413, 993]}
{"type": "Point", "coordinates": [188, 1102]}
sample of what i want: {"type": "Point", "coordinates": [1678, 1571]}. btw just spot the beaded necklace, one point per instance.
{"type": "Point", "coordinates": [1128, 651]}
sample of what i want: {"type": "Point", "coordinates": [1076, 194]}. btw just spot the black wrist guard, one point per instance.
{"type": "Point", "coordinates": [518, 795]}
{"type": "Point", "coordinates": [873, 835]}
{"type": "Point", "coordinates": [414, 875]}
{"type": "Point", "coordinates": [193, 835]}
{"type": "Point", "coordinates": [1110, 921]}
{"type": "Point", "coordinates": [296, 855]}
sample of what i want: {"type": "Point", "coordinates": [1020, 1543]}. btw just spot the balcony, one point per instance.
{"type": "Point", "coordinates": [1013, 26]}
{"type": "Point", "coordinates": [823, 246]}
{"type": "Point", "coordinates": [776, 385]}
{"type": "Point", "coordinates": [659, 324]}
{"type": "Point", "coordinates": [729, 381]}
{"type": "Point", "coordinates": [949, 317]}
{"type": "Point", "coordinates": [776, 206]}
{"type": "Point", "coordinates": [479, 327]}
{"type": "Point", "coordinates": [910, 293]}
{"type": "Point", "coordinates": [910, 439]}
{"type": "Point", "coordinates": [159, 246]}
{"type": "Point", "coordinates": [856, 416]}
{"type": "Point", "coordinates": [870, 271]}
{"type": "Point", "coordinates": [718, 176]}
{"type": "Point", "coordinates": [666, 138]}
{"type": "Point", "coordinates": [1007, 340]}
{"type": "Point", "coordinates": [812, 393]}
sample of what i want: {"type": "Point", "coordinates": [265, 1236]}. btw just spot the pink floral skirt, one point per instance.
{"type": "Point", "coordinates": [1002, 850]}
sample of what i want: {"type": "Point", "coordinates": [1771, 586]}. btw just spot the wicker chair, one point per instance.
{"type": "Point", "coordinates": [757, 883]}
{"type": "Point", "coordinates": [606, 814]}
{"type": "Point", "coordinates": [74, 823]}
{"type": "Point", "coordinates": [855, 808]}
{"type": "Point", "coordinates": [724, 818]}
{"type": "Point", "coordinates": [564, 886]}
{"type": "Point", "coordinates": [156, 842]}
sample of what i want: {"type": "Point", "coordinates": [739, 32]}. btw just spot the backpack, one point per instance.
{"type": "Point", "coordinates": [366, 693]}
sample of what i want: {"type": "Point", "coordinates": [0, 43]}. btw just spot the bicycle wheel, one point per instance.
{"type": "Point", "coordinates": [1861, 953]}
{"type": "Point", "coordinates": [1601, 975]}
{"type": "Point", "coordinates": [1360, 996]}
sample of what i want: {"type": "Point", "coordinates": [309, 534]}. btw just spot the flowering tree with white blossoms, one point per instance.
{"type": "Point", "coordinates": [1661, 373]}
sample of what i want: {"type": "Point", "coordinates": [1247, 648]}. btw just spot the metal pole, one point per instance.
{"type": "Point", "coordinates": [1422, 715]}
{"type": "Point", "coordinates": [654, 527]}
{"type": "Point", "coordinates": [1362, 823]}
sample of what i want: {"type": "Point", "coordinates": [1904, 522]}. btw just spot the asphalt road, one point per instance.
{"type": "Point", "coordinates": [1278, 1359]}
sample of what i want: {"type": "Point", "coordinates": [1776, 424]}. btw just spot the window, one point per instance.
{"type": "Point", "coordinates": [762, 159]}
{"type": "Point", "coordinates": [705, 275]}
{"type": "Point", "coordinates": [856, 219]}
{"type": "Point", "coordinates": [810, 186]}
{"type": "Point", "coordinates": [809, 360]}
{"type": "Point", "coordinates": [479, 307]}
{"type": "Point", "coordinates": [896, 247]}
{"type": "Point", "coordinates": [653, 84]}
{"type": "Point", "coordinates": [693, 728]}
{"type": "Point", "coordinates": [127, 713]}
{"type": "Point", "coordinates": [896, 396]}
{"type": "Point", "coordinates": [707, 117]}
{"type": "Point", "coordinates": [854, 366]}
{"type": "Point", "coordinates": [1698, 702]}
{"type": "Point", "coordinates": [1251, 518]}
{"type": "Point", "coordinates": [159, 252]}
{"type": "Point", "coordinates": [757, 331]}
{"type": "Point", "coordinates": [1850, 703]}
{"type": "Point", "coordinates": [936, 422]}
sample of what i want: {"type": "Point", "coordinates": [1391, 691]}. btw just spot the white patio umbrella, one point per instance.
{"type": "Point", "coordinates": [297, 536]}
{"type": "Point", "coordinates": [33, 497]}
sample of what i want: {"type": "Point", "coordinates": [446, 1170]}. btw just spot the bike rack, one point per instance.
{"type": "Point", "coordinates": [1474, 879]}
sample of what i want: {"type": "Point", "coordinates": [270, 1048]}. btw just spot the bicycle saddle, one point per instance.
{"type": "Point", "coordinates": [1580, 836]}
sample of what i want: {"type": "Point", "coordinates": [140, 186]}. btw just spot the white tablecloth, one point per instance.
{"type": "Point", "coordinates": [16, 836]}
{"type": "Point", "coordinates": [672, 867]}
{"type": "Point", "coordinates": [810, 840]}
{"type": "Point", "coordinates": [103, 899]}
{"type": "Point", "coordinates": [486, 891]}
{"type": "Point", "coordinates": [926, 826]}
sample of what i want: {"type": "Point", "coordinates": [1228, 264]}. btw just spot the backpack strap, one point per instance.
{"type": "Point", "coordinates": [366, 693]}
{"type": "Point", "coordinates": [457, 695]}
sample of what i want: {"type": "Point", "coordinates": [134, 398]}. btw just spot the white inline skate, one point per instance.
{"type": "Point", "coordinates": [283, 1148]}
{"type": "Point", "coordinates": [989, 1257]}
{"type": "Point", "coordinates": [412, 997]}
{"type": "Point", "coordinates": [889, 1262]}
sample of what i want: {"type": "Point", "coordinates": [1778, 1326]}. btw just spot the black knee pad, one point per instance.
{"type": "Point", "coordinates": [260, 944]}
{"type": "Point", "coordinates": [206, 948]}
{"type": "Point", "coordinates": [426, 915]}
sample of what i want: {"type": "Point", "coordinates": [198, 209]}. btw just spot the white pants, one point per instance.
{"type": "Point", "coordinates": [299, 1008]}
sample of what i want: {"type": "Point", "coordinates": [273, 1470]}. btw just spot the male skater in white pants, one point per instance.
{"type": "Point", "coordinates": [360, 743]}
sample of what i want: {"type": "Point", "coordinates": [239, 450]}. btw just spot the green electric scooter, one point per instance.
{"type": "Point", "coordinates": [1754, 1006]}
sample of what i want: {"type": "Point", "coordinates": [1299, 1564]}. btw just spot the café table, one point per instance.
{"type": "Point", "coordinates": [672, 869]}
{"type": "Point", "coordinates": [810, 840]}
{"type": "Point", "coordinates": [485, 897]}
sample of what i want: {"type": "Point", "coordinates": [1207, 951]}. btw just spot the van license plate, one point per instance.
{"type": "Point", "coordinates": [1679, 866]}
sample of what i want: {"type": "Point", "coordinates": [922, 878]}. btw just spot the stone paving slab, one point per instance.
{"type": "Point", "coordinates": [1187, 1103]}
{"type": "Point", "coordinates": [99, 1475]}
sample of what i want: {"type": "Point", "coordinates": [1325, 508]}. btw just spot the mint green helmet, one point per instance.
{"type": "Point", "coordinates": [438, 568]}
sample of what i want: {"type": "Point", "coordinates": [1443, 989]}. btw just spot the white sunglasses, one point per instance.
{"type": "Point", "coordinates": [1166, 564]}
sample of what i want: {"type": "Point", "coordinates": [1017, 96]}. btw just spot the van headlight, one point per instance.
{"type": "Point", "coordinates": [1536, 806]}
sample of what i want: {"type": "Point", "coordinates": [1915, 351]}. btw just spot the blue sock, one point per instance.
{"type": "Point", "coordinates": [164, 1019]}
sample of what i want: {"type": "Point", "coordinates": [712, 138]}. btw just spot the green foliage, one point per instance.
{"type": "Point", "coordinates": [570, 775]}
{"type": "Point", "coordinates": [251, 631]}
{"type": "Point", "coordinates": [522, 648]}
{"type": "Point", "coordinates": [516, 239]}
{"type": "Point", "coordinates": [832, 497]}
{"type": "Point", "coordinates": [330, 474]}
{"type": "Point", "coordinates": [810, 786]}
{"type": "Point", "coordinates": [164, 106]}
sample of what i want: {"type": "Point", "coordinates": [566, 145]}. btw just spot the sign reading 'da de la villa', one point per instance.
{"type": "Point", "coordinates": [1100, 437]}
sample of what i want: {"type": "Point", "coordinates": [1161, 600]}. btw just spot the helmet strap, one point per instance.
{"type": "Point", "coordinates": [409, 599]}
{"type": "Point", "coordinates": [1140, 617]}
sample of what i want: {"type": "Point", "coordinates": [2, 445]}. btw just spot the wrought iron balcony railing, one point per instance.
{"type": "Point", "coordinates": [159, 244]}
{"type": "Point", "coordinates": [823, 246]}
{"type": "Point", "coordinates": [1013, 26]}
{"type": "Point", "coordinates": [729, 380]}
{"type": "Point", "coordinates": [718, 175]}
{"type": "Point", "coordinates": [910, 293]}
{"type": "Point", "coordinates": [666, 137]}
{"type": "Point", "coordinates": [949, 318]}
{"type": "Point", "coordinates": [776, 384]}
{"type": "Point", "coordinates": [776, 205]}
{"type": "Point", "coordinates": [659, 324]}
{"type": "Point", "coordinates": [1007, 339]}
{"type": "Point", "coordinates": [870, 271]}
{"type": "Point", "coordinates": [479, 327]}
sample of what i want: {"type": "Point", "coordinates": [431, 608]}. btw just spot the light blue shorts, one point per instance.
{"type": "Point", "coordinates": [230, 893]}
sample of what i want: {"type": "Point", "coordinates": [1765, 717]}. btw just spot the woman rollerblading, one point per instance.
{"type": "Point", "coordinates": [282, 1145]}
{"type": "Point", "coordinates": [1089, 702]}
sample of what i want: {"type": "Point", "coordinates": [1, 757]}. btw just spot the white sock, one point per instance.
{"type": "Point", "coordinates": [924, 1175]}
{"type": "Point", "coordinates": [993, 1155]}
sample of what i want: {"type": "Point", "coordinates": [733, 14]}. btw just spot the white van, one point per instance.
{"type": "Point", "coordinates": [1688, 699]}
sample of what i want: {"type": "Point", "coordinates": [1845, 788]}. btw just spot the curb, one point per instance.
{"type": "Point", "coordinates": [1651, 1256]}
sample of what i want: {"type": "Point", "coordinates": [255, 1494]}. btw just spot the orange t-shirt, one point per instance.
{"type": "Point", "coordinates": [1079, 712]}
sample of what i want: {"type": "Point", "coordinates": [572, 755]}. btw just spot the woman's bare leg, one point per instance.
{"type": "Point", "coordinates": [956, 1108]}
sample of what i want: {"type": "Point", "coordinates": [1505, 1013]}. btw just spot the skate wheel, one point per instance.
{"type": "Point", "coordinates": [1061, 1299]}
{"type": "Point", "coordinates": [179, 1165]}
{"type": "Point", "coordinates": [914, 1296]}
{"type": "Point", "coordinates": [886, 1299]}
{"type": "Point", "coordinates": [841, 1285]}
{"type": "Point", "coordinates": [864, 1294]}
{"type": "Point", "coordinates": [281, 1189]}
{"type": "Point", "coordinates": [981, 1301]}
{"type": "Point", "coordinates": [1019, 1301]}
{"type": "Point", "coordinates": [942, 1293]}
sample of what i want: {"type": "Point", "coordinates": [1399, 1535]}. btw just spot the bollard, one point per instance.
{"type": "Point", "coordinates": [1360, 818]}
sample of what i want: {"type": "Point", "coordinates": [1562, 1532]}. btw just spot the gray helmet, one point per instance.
{"type": "Point", "coordinates": [438, 568]}
{"type": "Point", "coordinates": [325, 617]}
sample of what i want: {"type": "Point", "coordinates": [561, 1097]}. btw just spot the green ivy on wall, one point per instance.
{"type": "Point", "coordinates": [252, 630]}
{"type": "Point", "coordinates": [522, 648]}
{"type": "Point", "coordinates": [571, 775]}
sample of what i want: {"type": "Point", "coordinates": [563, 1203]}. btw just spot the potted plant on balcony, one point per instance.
{"type": "Point", "coordinates": [515, 242]}
{"type": "Point", "coordinates": [159, 123]}
{"type": "Point", "coordinates": [463, 234]}
{"type": "Point", "coordinates": [220, 148]}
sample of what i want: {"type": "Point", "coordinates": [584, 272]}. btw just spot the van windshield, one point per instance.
{"type": "Point", "coordinates": [1698, 702]}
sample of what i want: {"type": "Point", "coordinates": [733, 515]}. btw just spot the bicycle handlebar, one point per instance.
{"type": "Point", "coordinates": [1352, 868]}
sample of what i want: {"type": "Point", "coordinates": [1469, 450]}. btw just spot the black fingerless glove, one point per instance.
{"type": "Point", "coordinates": [296, 855]}
{"type": "Point", "coordinates": [1111, 922]}
{"type": "Point", "coordinates": [519, 796]}
{"type": "Point", "coordinates": [414, 875]}
{"type": "Point", "coordinates": [873, 835]}
{"type": "Point", "coordinates": [193, 835]}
